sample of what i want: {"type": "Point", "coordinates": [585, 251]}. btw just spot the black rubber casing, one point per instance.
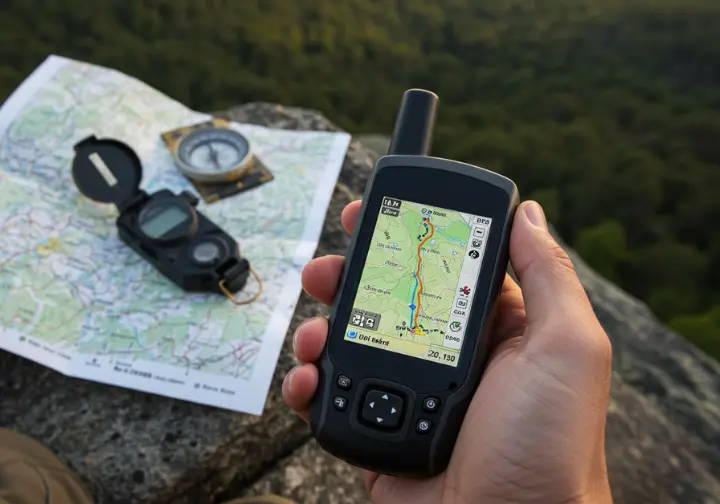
{"type": "Point", "coordinates": [171, 255]}
{"type": "Point", "coordinates": [405, 451]}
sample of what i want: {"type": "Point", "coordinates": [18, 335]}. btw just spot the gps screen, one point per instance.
{"type": "Point", "coordinates": [418, 281]}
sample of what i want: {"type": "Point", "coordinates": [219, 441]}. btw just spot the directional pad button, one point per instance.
{"type": "Point", "coordinates": [382, 409]}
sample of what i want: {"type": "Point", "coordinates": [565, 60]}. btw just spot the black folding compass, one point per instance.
{"type": "Point", "coordinates": [163, 228]}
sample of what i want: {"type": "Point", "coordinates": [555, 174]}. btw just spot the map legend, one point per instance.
{"type": "Point", "coordinates": [474, 251]}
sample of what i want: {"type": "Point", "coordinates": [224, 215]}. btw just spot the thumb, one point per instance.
{"type": "Point", "coordinates": [553, 294]}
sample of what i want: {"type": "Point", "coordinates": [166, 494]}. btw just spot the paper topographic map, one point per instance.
{"type": "Point", "coordinates": [75, 298]}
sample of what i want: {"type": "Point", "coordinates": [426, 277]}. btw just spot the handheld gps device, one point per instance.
{"type": "Point", "coordinates": [163, 228]}
{"type": "Point", "coordinates": [411, 319]}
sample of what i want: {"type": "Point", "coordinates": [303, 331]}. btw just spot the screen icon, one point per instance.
{"type": "Point", "coordinates": [474, 254]}
{"type": "Point", "coordinates": [476, 243]}
{"type": "Point", "coordinates": [365, 319]}
{"type": "Point", "coordinates": [391, 202]}
{"type": "Point", "coordinates": [479, 232]}
{"type": "Point", "coordinates": [352, 334]}
{"type": "Point", "coordinates": [465, 290]}
{"type": "Point", "coordinates": [455, 326]}
{"type": "Point", "coordinates": [461, 303]}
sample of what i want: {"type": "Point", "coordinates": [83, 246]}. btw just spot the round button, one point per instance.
{"type": "Point", "coordinates": [340, 403]}
{"type": "Point", "coordinates": [344, 382]}
{"type": "Point", "coordinates": [423, 426]}
{"type": "Point", "coordinates": [431, 404]}
{"type": "Point", "coordinates": [206, 253]}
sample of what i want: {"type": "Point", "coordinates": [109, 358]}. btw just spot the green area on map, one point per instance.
{"type": "Point", "coordinates": [412, 269]}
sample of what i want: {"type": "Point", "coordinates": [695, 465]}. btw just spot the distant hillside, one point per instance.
{"type": "Point", "coordinates": [606, 111]}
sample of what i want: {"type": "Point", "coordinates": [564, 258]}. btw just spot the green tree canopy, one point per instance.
{"type": "Point", "coordinates": [606, 111]}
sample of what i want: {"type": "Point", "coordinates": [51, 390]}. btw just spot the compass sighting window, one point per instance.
{"type": "Point", "coordinates": [156, 223]}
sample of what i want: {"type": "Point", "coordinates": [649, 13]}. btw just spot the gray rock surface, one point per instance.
{"type": "Point", "coordinates": [663, 436]}
{"type": "Point", "coordinates": [378, 144]}
{"type": "Point", "coordinates": [312, 476]}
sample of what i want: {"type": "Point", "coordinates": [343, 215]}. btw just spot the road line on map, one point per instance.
{"type": "Point", "coordinates": [417, 274]}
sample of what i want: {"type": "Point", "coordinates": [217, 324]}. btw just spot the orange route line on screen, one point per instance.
{"type": "Point", "coordinates": [417, 274]}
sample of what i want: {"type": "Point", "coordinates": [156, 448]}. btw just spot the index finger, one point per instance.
{"type": "Point", "coordinates": [350, 214]}
{"type": "Point", "coordinates": [321, 276]}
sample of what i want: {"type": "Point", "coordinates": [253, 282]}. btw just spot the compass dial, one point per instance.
{"type": "Point", "coordinates": [214, 155]}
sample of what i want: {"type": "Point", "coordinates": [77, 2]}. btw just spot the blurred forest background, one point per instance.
{"type": "Point", "coordinates": [606, 111]}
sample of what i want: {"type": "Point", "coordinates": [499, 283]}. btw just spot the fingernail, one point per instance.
{"type": "Point", "coordinates": [535, 215]}
{"type": "Point", "coordinates": [290, 377]}
{"type": "Point", "coordinates": [295, 334]}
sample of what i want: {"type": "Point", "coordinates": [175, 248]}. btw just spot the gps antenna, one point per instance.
{"type": "Point", "coordinates": [414, 124]}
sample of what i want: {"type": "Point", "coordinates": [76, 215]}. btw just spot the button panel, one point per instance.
{"type": "Point", "coordinates": [342, 395]}
{"type": "Point", "coordinates": [382, 409]}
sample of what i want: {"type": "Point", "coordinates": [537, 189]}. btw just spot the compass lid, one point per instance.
{"type": "Point", "coordinates": [106, 170]}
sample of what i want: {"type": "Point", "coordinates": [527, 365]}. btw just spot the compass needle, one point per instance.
{"type": "Point", "coordinates": [213, 156]}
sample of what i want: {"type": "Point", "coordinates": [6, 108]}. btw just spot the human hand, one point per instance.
{"type": "Point", "coordinates": [535, 429]}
